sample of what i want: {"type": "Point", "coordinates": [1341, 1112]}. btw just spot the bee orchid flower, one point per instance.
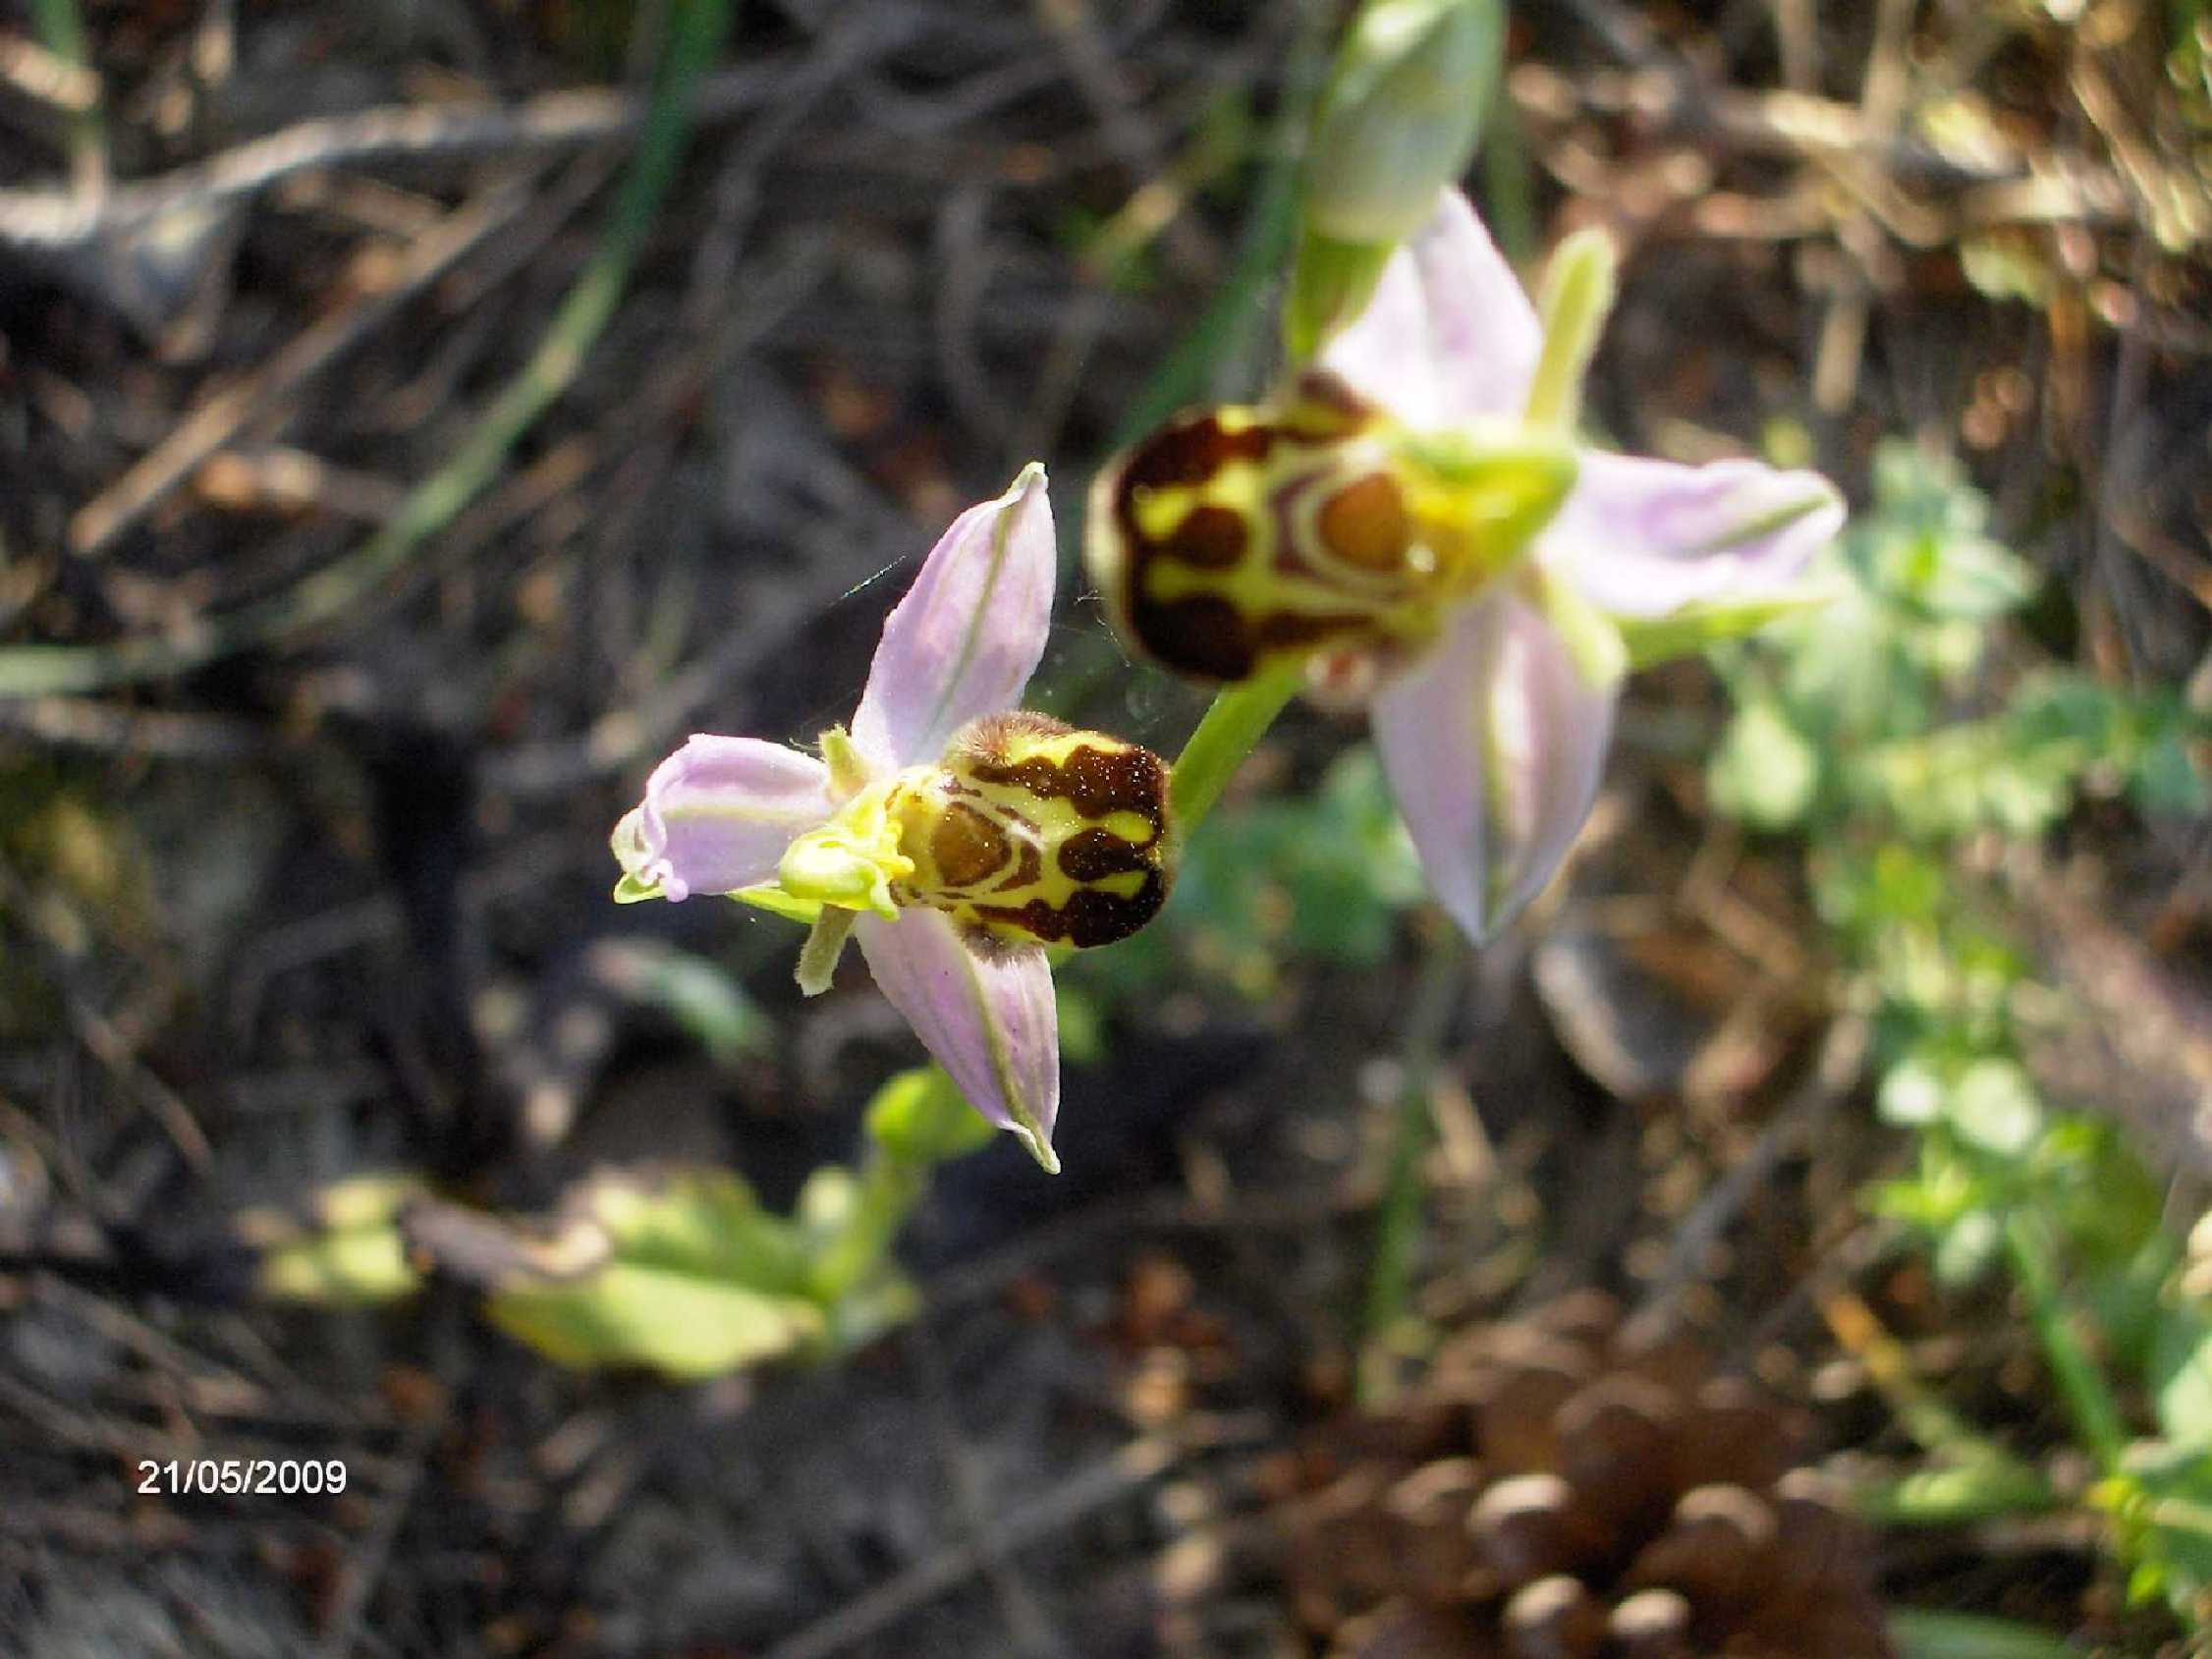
{"type": "Point", "coordinates": [1415, 523]}
{"type": "Point", "coordinates": [951, 834]}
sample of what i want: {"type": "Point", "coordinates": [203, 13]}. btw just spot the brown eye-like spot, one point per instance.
{"type": "Point", "coordinates": [967, 847]}
{"type": "Point", "coordinates": [1094, 854]}
{"type": "Point", "coordinates": [1366, 523]}
{"type": "Point", "coordinates": [1202, 634]}
{"type": "Point", "coordinates": [1096, 918]}
{"type": "Point", "coordinates": [1211, 538]}
{"type": "Point", "coordinates": [1089, 918]}
{"type": "Point", "coordinates": [1027, 866]}
{"type": "Point", "coordinates": [1121, 778]}
{"type": "Point", "coordinates": [1189, 451]}
{"type": "Point", "coordinates": [1095, 779]}
{"type": "Point", "coordinates": [1294, 630]}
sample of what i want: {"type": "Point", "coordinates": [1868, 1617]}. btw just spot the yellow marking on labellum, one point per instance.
{"type": "Point", "coordinates": [1234, 538]}
{"type": "Point", "coordinates": [1028, 831]}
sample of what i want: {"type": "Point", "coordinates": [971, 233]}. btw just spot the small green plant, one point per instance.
{"type": "Point", "coordinates": [676, 1269]}
{"type": "Point", "coordinates": [1885, 729]}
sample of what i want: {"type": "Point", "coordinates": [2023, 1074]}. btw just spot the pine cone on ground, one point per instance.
{"type": "Point", "coordinates": [1576, 1486]}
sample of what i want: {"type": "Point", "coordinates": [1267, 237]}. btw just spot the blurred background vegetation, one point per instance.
{"type": "Point", "coordinates": [416, 415]}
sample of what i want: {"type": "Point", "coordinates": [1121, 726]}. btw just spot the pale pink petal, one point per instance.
{"type": "Point", "coordinates": [1493, 744]}
{"type": "Point", "coordinates": [1450, 335]}
{"type": "Point", "coordinates": [991, 1022]}
{"type": "Point", "coordinates": [1643, 538]}
{"type": "Point", "coordinates": [717, 815]}
{"type": "Point", "coordinates": [966, 636]}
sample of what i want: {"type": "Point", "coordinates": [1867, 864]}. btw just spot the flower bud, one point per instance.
{"type": "Point", "coordinates": [1401, 116]}
{"type": "Point", "coordinates": [1397, 123]}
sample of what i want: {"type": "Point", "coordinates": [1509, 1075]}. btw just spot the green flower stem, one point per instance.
{"type": "Point", "coordinates": [1398, 1229]}
{"type": "Point", "coordinates": [1333, 283]}
{"type": "Point", "coordinates": [1238, 718]}
{"type": "Point", "coordinates": [891, 1186]}
{"type": "Point", "coordinates": [695, 30]}
{"type": "Point", "coordinates": [915, 1122]}
{"type": "Point", "coordinates": [1920, 1634]}
{"type": "Point", "coordinates": [2081, 1382]}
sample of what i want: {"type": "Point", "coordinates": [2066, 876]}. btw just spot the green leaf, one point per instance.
{"type": "Point", "coordinates": [1967, 1248]}
{"type": "Point", "coordinates": [2106, 1202]}
{"type": "Point", "coordinates": [1963, 578]}
{"type": "Point", "coordinates": [704, 1221]}
{"type": "Point", "coordinates": [880, 1303]}
{"type": "Point", "coordinates": [1924, 545]}
{"type": "Point", "coordinates": [2162, 1507]}
{"type": "Point", "coordinates": [1933, 1202]}
{"type": "Point", "coordinates": [2180, 1375]}
{"type": "Point", "coordinates": [1911, 1091]}
{"type": "Point", "coordinates": [355, 1267]}
{"type": "Point", "coordinates": [1765, 773]}
{"type": "Point", "coordinates": [667, 1321]}
{"type": "Point", "coordinates": [2127, 1299]}
{"type": "Point", "coordinates": [2165, 782]}
{"type": "Point", "coordinates": [1977, 774]}
{"type": "Point", "coordinates": [698, 994]}
{"type": "Point", "coordinates": [350, 1252]}
{"type": "Point", "coordinates": [2125, 736]}
{"type": "Point", "coordinates": [1920, 1634]}
{"type": "Point", "coordinates": [1847, 677]}
{"type": "Point", "coordinates": [1901, 888]}
{"type": "Point", "coordinates": [685, 1275]}
{"type": "Point", "coordinates": [1994, 1105]}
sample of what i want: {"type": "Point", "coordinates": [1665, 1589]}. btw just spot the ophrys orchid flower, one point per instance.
{"type": "Point", "coordinates": [951, 834]}
{"type": "Point", "coordinates": [1415, 522]}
